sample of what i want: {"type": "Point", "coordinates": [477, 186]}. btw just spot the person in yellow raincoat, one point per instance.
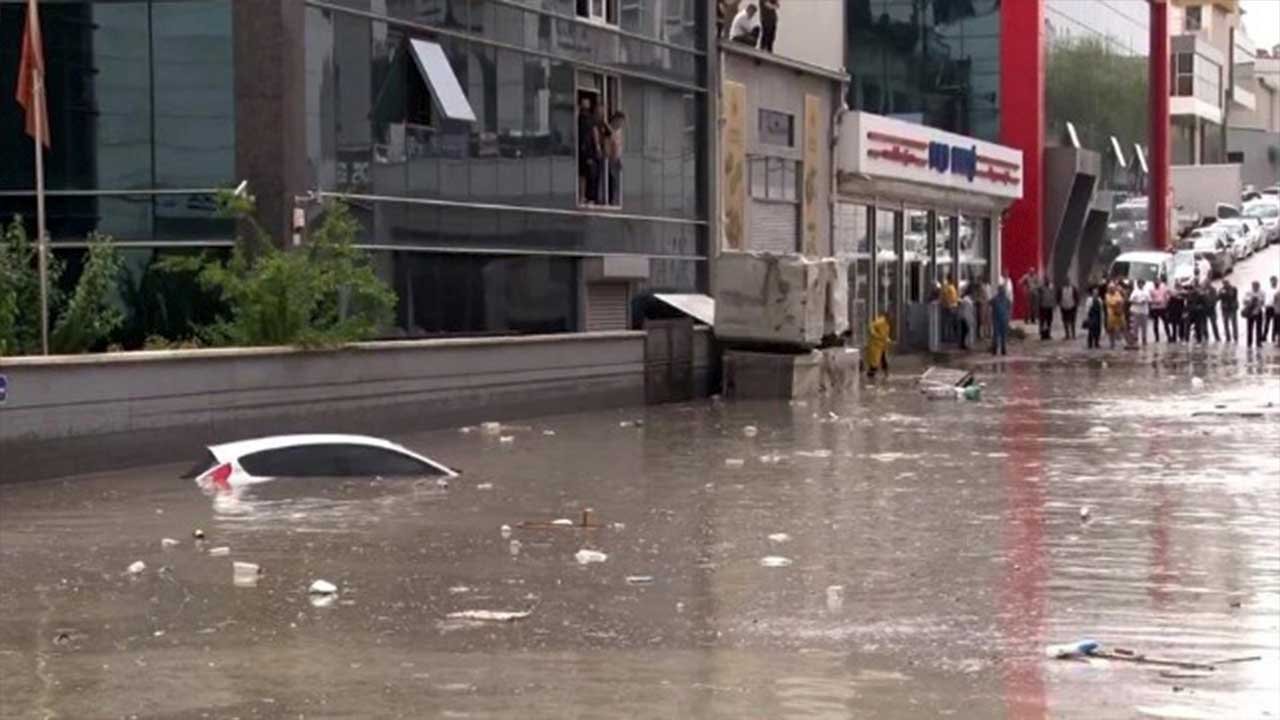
{"type": "Point", "coordinates": [878, 343]}
{"type": "Point", "coordinates": [1115, 313]}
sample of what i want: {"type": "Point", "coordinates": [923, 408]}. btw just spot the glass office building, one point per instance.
{"type": "Point", "coordinates": [142, 117]}
{"type": "Point", "coordinates": [517, 166]}
{"type": "Point", "coordinates": [495, 149]}
{"type": "Point", "coordinates": [937, 64]}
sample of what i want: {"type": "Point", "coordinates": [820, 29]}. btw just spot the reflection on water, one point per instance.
{"type": "Point", "coordinates": [953, 528]}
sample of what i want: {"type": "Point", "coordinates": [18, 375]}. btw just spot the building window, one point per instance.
{"type": "Point", "coordinates": [777, 128]}
{"type": "Point", "coordinates": [601, 11]}
{"type": "Point", "coordinates": [774, 178]}
{"type": "Point", "coordinates": [1183, 81]}
{"type": "Point", "coordinates": [1235, 158]}
{"type": "Point", "coordinates": [1191, 20]}
{"type": "Point", "coordinates": [601, 130]}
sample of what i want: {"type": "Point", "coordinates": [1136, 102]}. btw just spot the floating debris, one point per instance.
{"type": "Point", "coordinates": [484, 486]}
{"type": "Point", "coordinates": [835, 597]}
{"type": "Point", "coordinates": [137, 568]}
{"type": "Point", "coordinates": [221, 551]}
{"type": "Point", "coordinates": [245, 574]}
{"type": "Point", "coordinates": [491, 428]}
{"type": "Point", "coordinates": [323, 587]}
{"type": "Point", "coordinates": [779, 537]}
{"type": "Point", "coordinates": [563, 522]}
{"type": "Point", "coordinates": [586, 557]}
{"type": "Point", "coordinates": [169, 543]}
{"type": "Point", "coordinates": [639, 579]}
{"type": "Point", "coordinates": [198, 534]}
{"type": "Point", "coordinates": [490, 615]}
{"type": "Point", "coordinates": [775, 561]}
{"type": "Point", "coordinates": [734, 462]}
{"type": "Point", "coordinates": [507, 439]}
{"type": "Point", "coordinates": [750, 431]}
{"type": "Point", "coordinates": [1197, 383]}
{"type": "Point", "coordinates": [505, 531]}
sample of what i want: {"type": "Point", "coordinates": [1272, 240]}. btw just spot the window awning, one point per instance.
{"type": "Point", "coordinates": [437, 75]}
{"type": "Point", "coordinates": [446, 92]}
{"type": "Point", "coordinates": [699, 307]}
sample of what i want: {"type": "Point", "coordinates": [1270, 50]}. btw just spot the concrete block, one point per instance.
{"type": "Point", "coordinates": [760, 375]}
{"type": "Point", "coordinates": [840, 369]}
{"type": "Point", "coordinates": [785, 300]}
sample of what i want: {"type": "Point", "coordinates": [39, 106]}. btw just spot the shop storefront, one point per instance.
{"type": "Point", "coordinates": [914, 207]}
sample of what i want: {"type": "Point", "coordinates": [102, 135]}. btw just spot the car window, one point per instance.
{"type": "Point", "coordinates": [201, 466]}
{"type": "Point", "coordinates": [334, 460]}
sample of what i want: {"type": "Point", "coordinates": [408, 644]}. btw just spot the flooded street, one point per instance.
{"type": "Point", "coordinates": [1074, 501]}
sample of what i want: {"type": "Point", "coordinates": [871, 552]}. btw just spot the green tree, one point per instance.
{"type": "Point", "coordinates": [321, 294]}
{"type": "Point", "coordinates": [80, 322]}
{"type": "Point", "coordinates": [1100, 91]}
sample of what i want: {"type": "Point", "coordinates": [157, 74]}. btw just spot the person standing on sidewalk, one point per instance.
{"type": "Point", "coordinates": [1093, 314]}
{"type": "Point", "coordinates": [950, 299]}
{"type": "Point", "coordinates": [1196, 303]}
{"type": "Point", "coordinates": [1030, 283]}
{"type": "Point", "coordinates": [1139, 310]}
{"type": "Point", "coordinates": [1269, 324]}
{"type": "Point", "coordinates": [1001, 309]}
{"type": "Point", "coordinates": [1275, 312]}
{"type": "Point", "coordinates": [1253, 302]}
{"type": "Point", "coordinates": [967, 321]}
{"type": "Point", "coordinates": [1229, 301]}
{"type": "Point", "coordinates": [1068, 301]}
{"type": "Point", "coordinates": [1174, 313]}
{"type": "Point", "coordinates": [1211, 309]}
{"type": "Point", "coordinates": [1159, 304]}
{"type": "Point", "coordinates": [1048, 303]}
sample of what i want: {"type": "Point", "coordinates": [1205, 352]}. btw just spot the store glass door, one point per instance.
{"type": "Point", "coordinates": [888, 268]}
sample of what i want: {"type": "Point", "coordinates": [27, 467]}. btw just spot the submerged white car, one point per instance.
{"type": "Point", "coordinates": [245, 462]}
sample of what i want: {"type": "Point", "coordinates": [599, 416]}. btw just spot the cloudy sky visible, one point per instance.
{"type": "Point", "coordinates": [1262, 20]}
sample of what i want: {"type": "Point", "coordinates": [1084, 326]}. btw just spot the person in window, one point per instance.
{"type": "Point", "coordinates": [746, 26]}
{"type": "Point", "coordinates": [588, 153]}
{"type": "Point", "coordinates": [613, 154]}
{"type": "Point", "coordinates": [768, 24]}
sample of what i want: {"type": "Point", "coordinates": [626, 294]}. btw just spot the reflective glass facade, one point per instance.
{"type": "Point", "coordinates": [140, 96]}
{"type": "Point", "coordinates": [497, 210]}
{"type": "Point", "coordinates": [935, 63]}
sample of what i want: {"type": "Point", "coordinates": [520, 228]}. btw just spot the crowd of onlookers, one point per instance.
{"type": "Point", "coordinates": [1129, 311]}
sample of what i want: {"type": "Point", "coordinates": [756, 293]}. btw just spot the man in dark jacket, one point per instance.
{"type": "Point", "coordinates": [1197, 304]}
{"type": "Point", "coordinates": [1175, 329]}
{"type": "Point", "coordinates": [1229, 301]}
{"type": "Point", "coordinates": [1211, 309]}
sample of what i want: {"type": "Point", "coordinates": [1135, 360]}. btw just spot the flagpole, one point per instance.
{"type": "Point", "coordinates": [43, 241]}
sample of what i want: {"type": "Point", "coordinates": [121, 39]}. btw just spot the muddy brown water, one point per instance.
{"type": "Point", "coordinates": [953, 528]}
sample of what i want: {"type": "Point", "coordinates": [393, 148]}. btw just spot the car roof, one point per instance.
{"type": "Point", "coordinates": [1146, 256]}
{"type": "Point", "coordinates": [227, 452]}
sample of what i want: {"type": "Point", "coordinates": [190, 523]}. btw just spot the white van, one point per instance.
{"type": "Point", "coordinates": [1146, 265]}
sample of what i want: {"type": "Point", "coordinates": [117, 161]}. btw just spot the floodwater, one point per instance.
{"type": "Point", "coordinates": [954, 529]}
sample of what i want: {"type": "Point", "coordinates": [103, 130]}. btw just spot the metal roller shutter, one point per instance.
{"type": "Point", "coordinates": [773, 226]}
{"type": "Point", "coordinates": [607, 306]}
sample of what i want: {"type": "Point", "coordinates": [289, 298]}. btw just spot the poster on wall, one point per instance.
{"type": "Point", "coordinates": [735, 161]}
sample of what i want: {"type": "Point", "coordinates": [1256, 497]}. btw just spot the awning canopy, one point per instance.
{"type": "Point", "coordinates": [697, 306]}
{"type": "Point", "coordinates": [432, 65]}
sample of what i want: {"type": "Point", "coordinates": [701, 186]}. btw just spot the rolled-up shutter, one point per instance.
{"type": "Point", "coordinates": [773, 226]}
{"type": "Point", "coordinates": [607, 306]}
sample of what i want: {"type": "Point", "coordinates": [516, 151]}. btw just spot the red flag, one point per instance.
{"type": "Point", "coordinates": [30, 92]}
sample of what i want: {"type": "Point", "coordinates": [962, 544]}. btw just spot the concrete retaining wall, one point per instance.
{"type": "Point", "coordinates": [76, 414]}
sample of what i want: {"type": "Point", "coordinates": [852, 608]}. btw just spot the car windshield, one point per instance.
{"type": "Point", "coordinates": [1263, 210]}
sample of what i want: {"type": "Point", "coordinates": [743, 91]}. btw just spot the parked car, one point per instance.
{"type": "Point", "coordinates": [1142, 265]}
{"type": "Point", "coordinates": [1185, 265]}
{"type": "Point", "coordinates": [1215, 249]}
{"type": "Point", "coordinates": [236, 464]}
{"type": "Point", "coordinates": [1247, 228]}
{"type": "Point", "coordinates": [1268, 213]}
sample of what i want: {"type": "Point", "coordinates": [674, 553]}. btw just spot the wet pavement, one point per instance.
{"type": "Point", "coordinates": [954, 530]}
